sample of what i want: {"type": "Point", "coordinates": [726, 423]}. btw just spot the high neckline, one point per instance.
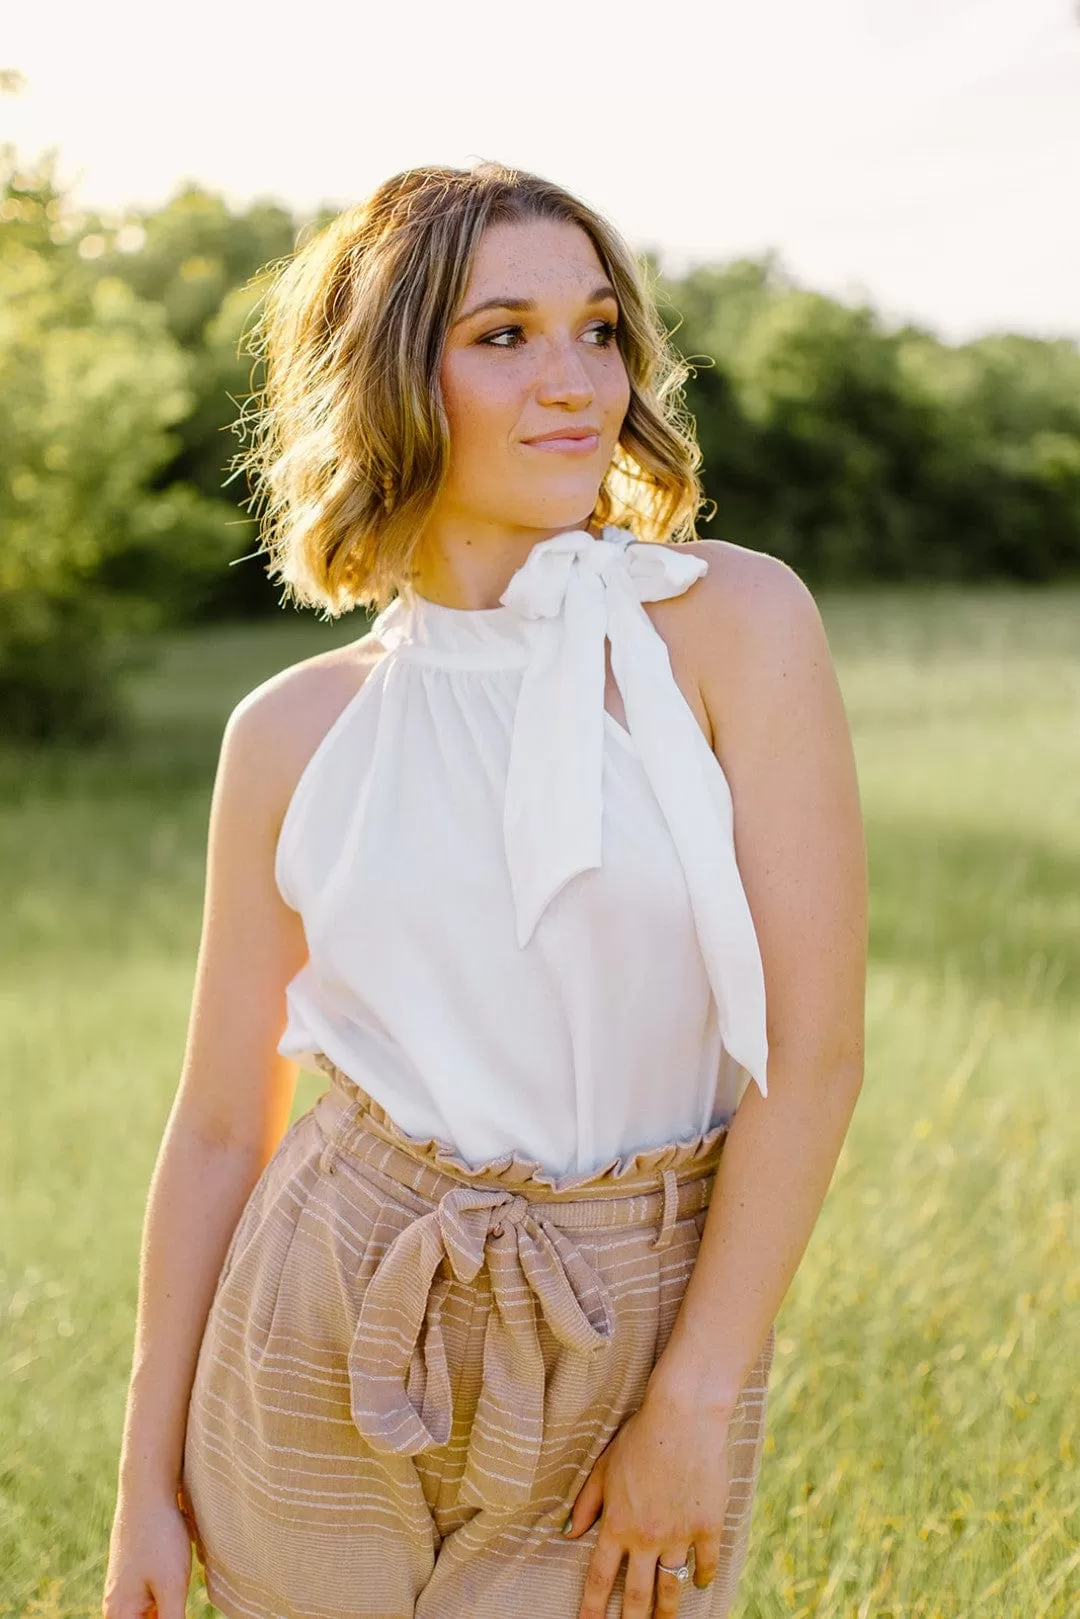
{"type": "Point", "coordinates": [418, 628]}
{"type": "Point", "coordinates": [424, 605]}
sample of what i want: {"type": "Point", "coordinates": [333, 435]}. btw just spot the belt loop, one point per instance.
{"type": "Point", "coordinates": [671, 1208]}
{"type": "Point", "coordinates": [336, 1138]}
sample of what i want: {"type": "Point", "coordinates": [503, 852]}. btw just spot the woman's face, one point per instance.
{"type": "Point", "coordinates": [510, 374]}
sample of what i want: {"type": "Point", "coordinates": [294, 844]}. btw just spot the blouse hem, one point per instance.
{"type": "Point", "coordinates": [513, 1166]}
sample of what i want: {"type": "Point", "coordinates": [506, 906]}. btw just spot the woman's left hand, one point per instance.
{"type": "Point", "coordinates": [662, 1487]}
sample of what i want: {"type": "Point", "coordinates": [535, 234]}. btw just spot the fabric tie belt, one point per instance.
{"type": "Point", "coordinates": [399, 1376]}
{"type": "Point", "coordinates": [402, 1401]}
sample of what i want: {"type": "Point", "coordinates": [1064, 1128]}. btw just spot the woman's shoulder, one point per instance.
{"type": "Point", "coordinates": [274, 730]}
{"type": "Point", "coordinates": [749, 625]}
{"type": "Point", "coordinates": [744, 601]}
{"type": "Point", "coordinates": [308, 696]}
{"type": "Point", "coordinates": [742, 586]}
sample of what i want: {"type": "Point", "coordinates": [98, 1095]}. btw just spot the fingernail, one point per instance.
{"type": "Point", "coordinates": [568, 1526]}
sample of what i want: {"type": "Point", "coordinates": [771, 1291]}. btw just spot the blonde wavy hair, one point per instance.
{"type": "Point", "coordinates": [349, 441]}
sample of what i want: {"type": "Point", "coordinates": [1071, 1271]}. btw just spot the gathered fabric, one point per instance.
{"type": "Point", "coordinates": [510, 897]}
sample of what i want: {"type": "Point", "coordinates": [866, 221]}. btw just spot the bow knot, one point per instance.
{"type": "Point", "coordinates": [401, 1395]}
{"type": "Point", "coordinates": [468, 1216]}
{"type": "Point", "coordinates": [511, 1213]}
{"type": "Point", "coordinates": [538, 589]}
{"type": "Point", "coordinates": [647, 572]}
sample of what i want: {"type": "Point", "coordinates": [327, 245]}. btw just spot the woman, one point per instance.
{"type": "Point", "coordinates": [523, 1257]}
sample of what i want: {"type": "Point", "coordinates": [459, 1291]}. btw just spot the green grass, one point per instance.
{"type": "Point", "coordinates": [922, 1442]}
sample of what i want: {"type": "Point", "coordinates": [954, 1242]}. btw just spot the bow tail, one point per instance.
{"type": "Point", "coordinates": [400, 1393]}
{"type": "Point", "coordinates": [508, 1424]}
{"type": "Point", "coordinates": [537, 1270]}
{"type": "Point", "coordinates": [553, 813]}
{"type": "Point", "coordinates": [577, 1305]}
{"type": "Point", "coordinates": [427, 1384]}
{"type": "Point", "coordinates": [695, 799]}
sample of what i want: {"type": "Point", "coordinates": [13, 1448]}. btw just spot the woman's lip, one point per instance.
{"type": "Point", "coordinates": [566, 446]}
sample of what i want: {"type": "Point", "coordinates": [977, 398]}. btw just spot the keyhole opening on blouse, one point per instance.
{"type": "Point", "coordinates": [611, 691]}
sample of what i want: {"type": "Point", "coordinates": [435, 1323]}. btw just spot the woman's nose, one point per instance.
{"type": "Point", "coordinates": [565, 375]}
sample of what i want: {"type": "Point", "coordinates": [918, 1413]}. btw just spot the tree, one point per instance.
{"type": "Point", "coordinates": [92, 386]}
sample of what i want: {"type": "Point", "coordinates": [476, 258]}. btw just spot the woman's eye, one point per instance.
{"type": "Point", "coordinates": [605, 329]}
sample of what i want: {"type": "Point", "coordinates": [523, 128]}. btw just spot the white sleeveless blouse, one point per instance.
{"type": "Point", "coordinates": [527, 931]}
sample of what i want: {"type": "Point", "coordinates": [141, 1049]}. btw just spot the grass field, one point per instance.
{"type": "Point", "coordinates": [922, 1451]}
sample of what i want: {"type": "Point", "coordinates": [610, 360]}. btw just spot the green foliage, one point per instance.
{"type": "Point", "coordinates": [207, 266]}
{"type": "Point", "coordinates": [855, 451]}
{"type": "Point", "coordinates": [91, 386]}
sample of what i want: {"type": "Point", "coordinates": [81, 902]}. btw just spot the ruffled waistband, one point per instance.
{"type": "Point", "coordinates": [346, 1106]}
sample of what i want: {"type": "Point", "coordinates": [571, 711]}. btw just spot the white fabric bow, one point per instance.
{"type": "Point", "coordinates": [553, 814]}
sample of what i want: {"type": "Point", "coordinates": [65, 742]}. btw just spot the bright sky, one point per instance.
{"type": "Point", "coordinates": [922, 153]}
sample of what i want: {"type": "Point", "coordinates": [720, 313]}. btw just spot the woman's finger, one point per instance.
{"type": "Point", "coordinates": [600, 1576]}
{"type": "Point", "coordinates": [668, 1586]}
{"type": "Point", "coordinates": [640, 1586]}
{"type": "Point", "coordinates": [170, 1597]}
{"type": "Point", "coordinates": [706, 1559]}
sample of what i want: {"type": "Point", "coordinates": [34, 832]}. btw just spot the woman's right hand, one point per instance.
{"type": "Point", "coordinates": [149, 1567]}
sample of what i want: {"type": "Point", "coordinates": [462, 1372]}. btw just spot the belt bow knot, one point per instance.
{"type": "Point", "coordinates": [401, 1396]}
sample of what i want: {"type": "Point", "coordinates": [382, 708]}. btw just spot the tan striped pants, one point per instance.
{"type": "Point", "coordinates": [411, 1365]}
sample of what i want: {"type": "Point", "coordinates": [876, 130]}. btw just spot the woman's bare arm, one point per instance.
{"type": "Point", "coordinates": [748, 635]}
{"type": "Point", "coordinates": [230, 1112]}
{"type": "Point", "coordinates": [231, 1106]}
{"type": "Point", "coordinates": [781, 733]}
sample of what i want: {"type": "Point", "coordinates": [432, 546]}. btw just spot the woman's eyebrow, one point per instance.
{"type": "Point", "coordinates": [598, 296]}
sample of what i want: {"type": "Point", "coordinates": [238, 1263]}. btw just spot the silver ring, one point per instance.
{"type": "Point", "coordinates": [681, 1574]}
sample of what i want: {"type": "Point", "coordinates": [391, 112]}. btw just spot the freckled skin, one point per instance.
{"type": "Point", "coordinates": [507, 375]}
